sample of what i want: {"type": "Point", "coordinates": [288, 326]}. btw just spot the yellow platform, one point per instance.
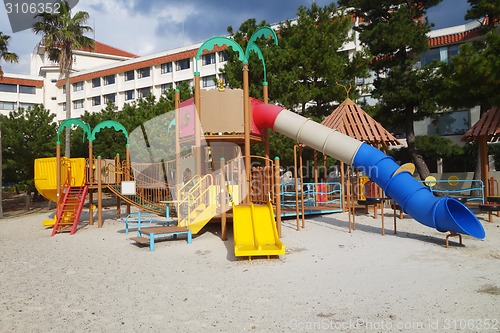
{"type": "Point", "coordinates": [255, 232]}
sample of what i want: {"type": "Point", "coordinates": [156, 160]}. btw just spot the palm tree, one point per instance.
{"type": "Point", "coordinates": [4, 51]}
{"type": "Point", "coordinates": [62, 34]}
{"type": "Point", "coordinates": [10, 57]}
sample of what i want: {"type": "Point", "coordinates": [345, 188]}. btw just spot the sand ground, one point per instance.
{"type": "Point", "coordinates": [98, 280]}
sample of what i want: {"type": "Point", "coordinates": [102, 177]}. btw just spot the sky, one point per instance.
{"type": "Point", "coordinates": [145, 27]}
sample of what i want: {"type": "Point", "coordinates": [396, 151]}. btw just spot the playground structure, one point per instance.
{"type": "Point", "coordinates": [189, 165]}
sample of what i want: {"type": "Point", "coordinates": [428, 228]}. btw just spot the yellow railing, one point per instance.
{"type": "Point", "coordinates": [195, 196]}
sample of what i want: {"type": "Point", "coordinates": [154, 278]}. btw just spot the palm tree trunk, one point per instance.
{"type": "Point", "coordinates": [67, 141]}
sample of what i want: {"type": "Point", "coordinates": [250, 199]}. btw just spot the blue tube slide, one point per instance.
{"type": "Point", "coordinates": [443, 214]}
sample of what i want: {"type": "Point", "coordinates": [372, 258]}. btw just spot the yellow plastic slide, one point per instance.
{"type": "Point", "coordinates": [255, 231]}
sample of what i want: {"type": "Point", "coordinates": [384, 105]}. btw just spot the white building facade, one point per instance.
{"type": "Point", "coordinates": [109, 74]}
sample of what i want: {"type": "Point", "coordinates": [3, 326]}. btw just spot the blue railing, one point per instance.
{"type": "Point", "coordinates": [321, 196]}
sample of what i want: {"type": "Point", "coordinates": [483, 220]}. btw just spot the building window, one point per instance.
{"type": "Point", "coordinates": [143, 92]}
{"type": "Point", "coordinates": [183, 64]}
{"type": "Point", "coordinates": [209, 81]}
{"type": "Point", "coordinates": [64, 106]}
{"type": "Point", "coordinates": [96, 82]}
{"type": "Point", "coordinates": [166, 87]}
{"type": "Point", "coordinates": [208, 59]}
{"type": "Point", "coordinates": [64, 89]}
{"type": "Point", "coordinates": [130, 75]}
{"type": "Point", "coordinates": [222, 56]}
{"type": "Point", "coordinates": [109, 98]}
{"type": "Point", "coordinates": [53, 80]}
{"type": "Point", "coordinates": [78, 86]}
{"type": "Point", "coordinates": [26, 106]}
{"type": "Point", "coordinates": [27, 90]}
{"type": "Point", "coordinates": [110, 79]}
{"type": "Point", "coordinates": [443, 54]}
{"type": "Point", "coordinates": [144, 72]}
{"type": "Point", "coordinates": [8, 87]}
{"type": "Point", "coordinates": [78, 104]}
{"type": "Point", "coordinates": [96, 100]}
{"type": "Point", "coordinates": [129, 94]}
{"type": "Point", "coordinates": [166, 68]}
{"type": "Point", "coordinates": [7, 105]}
{"type": "Point", "coordinates": [53, 98]}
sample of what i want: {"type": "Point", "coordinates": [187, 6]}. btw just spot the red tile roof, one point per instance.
{"type": "Point", "coordinates": [140, 64]}
{"type": "Point", "coordinates": [106, 49]}
{"type": "Point", "coordinates": [23, 82]}
{"type": "Point", "coordinates": [456, 38]}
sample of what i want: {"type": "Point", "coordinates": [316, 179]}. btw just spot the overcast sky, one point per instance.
{"type": "Point", "coordinates": [146, 27]}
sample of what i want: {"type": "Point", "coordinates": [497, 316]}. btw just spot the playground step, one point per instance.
{"type": "Point", "coordinates": [69, 214]}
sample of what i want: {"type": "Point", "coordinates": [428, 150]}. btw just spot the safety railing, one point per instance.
{"type": "Point", "coordinates": [317, 196]}
{"type": "Point", "coordinates": [473, 190]}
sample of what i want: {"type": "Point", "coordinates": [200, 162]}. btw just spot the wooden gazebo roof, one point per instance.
{"type": "Point", "coordinates": [488, 125]}
{"type": "Point", "coordinates": [349, 119]}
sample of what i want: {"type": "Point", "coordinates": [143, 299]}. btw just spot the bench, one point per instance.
{"type": "Point", "coordinates": [490, 208]}
{"type": "Point", "coordinates": [148, 235]}
{"type": "Point", "coordinates": [141, 218]}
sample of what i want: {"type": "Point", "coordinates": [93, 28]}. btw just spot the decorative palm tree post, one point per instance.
{"type": "Point", "coordinates": [243, 57]}
{"type": "Point", "coordinates": [209, 45]}
{"type": "Point", "coordinates": [265, 32]}
{"type": "Point", "coordinates": [66, 124]}
{"type": "Point", "coordinates": [63, 33]}
{"type": "Point", "coordinates": [92, 136]}
{"type": "Point", "coordinates": [10, 57]}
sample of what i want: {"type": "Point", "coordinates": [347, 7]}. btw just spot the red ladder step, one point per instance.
{"type": "Point", "coordinates": [71, 208]}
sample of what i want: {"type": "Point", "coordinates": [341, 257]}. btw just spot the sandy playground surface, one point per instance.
{"type": "Point", "coordinates": [98, 280]}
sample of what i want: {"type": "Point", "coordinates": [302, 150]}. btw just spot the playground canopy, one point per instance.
{"type": "Point", "coordinates": [349, 119]}
{"type": "Point", "coordinates": [488, 126]}
{"type": "Point", "coordinates": [487, 129]}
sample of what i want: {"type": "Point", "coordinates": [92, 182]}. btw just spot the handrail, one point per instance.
{"type": "Point", "coordinates": [192, 182]}
{"type": "Point", "coordinates": [192, 200]}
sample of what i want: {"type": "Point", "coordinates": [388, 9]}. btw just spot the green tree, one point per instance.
{"type": "Point", "coordinates": [4, 52]}
{"type": "Point", "coordinates": [28, 134]}
{"type": "Point", "coordinates": [63, 33]}
{"type": "Point", "coordinates": [396, 35]}
{"type": "Point", "coordinates": [480, 9]}
{"type": "Point", "coordinates": [303, 70]}
{"type": "Point", "coordinates": [306, 66]}
{"type": "Point", "coordinates": [472, 77]}
{"type": "Point", "coordinates": [10, 57]}
{"type": "Point", "coordinates": [232, 71]}
{"type": "Point", "coordinates": [108, 142]}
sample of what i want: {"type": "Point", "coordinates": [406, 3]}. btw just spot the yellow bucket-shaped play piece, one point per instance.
{"type": "Point", "coordinates": [72, 170]}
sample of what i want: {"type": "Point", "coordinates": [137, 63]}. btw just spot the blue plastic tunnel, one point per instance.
{"type": "Point", "coordinates": [443, 214]}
